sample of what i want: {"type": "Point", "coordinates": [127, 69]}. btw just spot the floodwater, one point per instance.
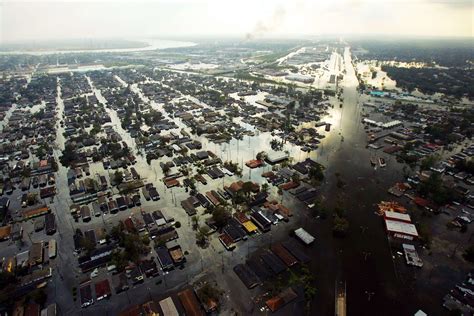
{"type": "Point", "coordinates": [362, 260]}
{"type": "Point", "coordinates": [8, 114]}
{"type": "Point", "coordinates": [193, 66]}
{"type": "Point", "coordinates": [59, 70]}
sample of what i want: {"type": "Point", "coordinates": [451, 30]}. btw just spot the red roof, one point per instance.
{"type": "Point", "coordinates": [274, 303]}
{"type": "Point", "coordinates": [425, 203]}
{"type": "Point", "coordinates": [421, 201]}
{"type": "Point", "coordinates": [284, 255]}
{"type": "Point", "coordinates": [102, 288]}
{"type": "Point", "coordinates": [281, 299]}
{"type": "Point", "coordinates": [171, 183]}
{"type": "Point", "coordinates": [289, 185]}
{"type": "Point", "coordinates": [226, 240]}
{"type": "Point", "coordinates": [241, 217]}
{"type": "Point", "coordinates": [32, 309]}
{"type": "Point", "coordinates": [190, 303]}
{"type": "Point", "coordinates": [254, 163]}
{"type": "Point", "coordinates": [129, 224]}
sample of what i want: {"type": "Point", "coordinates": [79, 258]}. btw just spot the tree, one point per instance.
{"type": "Point", "coordinates": [87, 244]}
{"type": "Point", "coordinates": [118, 177]}
{"type": "Point", "coordinates": [195, 221]}
{"type": "Point", "coordinates": [208, 294]}
{"type": "Point", "coordinates": [220, 216]}
{"type": "Point", "coordinates": [340, 226]}
{"type": "Point", "coordinates": [468, 254]}
{"type": "Point", "coordinates": [38, 115]}
{"type": "Point", "coordinates": [39, 296]}
{"type": "Point", "coordinates": [233, 167]}
{"type": "Point", "coordinates": [192, 184]}
{"type": "Point", "coordinates": [265, 187]}
{"type": "Point", "coordinates": [425, 234]}
{"type": "Point", "coordinates": [118, 259]}
{"type": "Point", "coordinates": [261, 155]}
{"type": "Point", "coordinates": [166, 169]}
{"type": "Point", "coordinates": [146, 240]}
{"type": "Point", "coordinates": [247, 188]}
{"type": "Point", "coordinates": [433, 188]}
{"type": "Point", "coordinates": [201, 235]}
{"type": "Point", "coordinates": [96, 128]}
{"type": "Point", "coordinates": [68, 155]}
{"type": "Point", "coordinates": [133, 247]}
{"type": "Point", "coordinates": [295, 177]}
{"type": "Point", "coordinates": [117, 232]}
{"type": "Point", "coordinates": [428, 162]}
{"type": "Point", "coordinates": [31, 198]}
{"type": "Point", "coordinates": [316, 174]}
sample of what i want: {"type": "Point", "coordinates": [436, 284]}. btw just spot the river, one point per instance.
{"type": "Point", "coordinates": [153, 44]}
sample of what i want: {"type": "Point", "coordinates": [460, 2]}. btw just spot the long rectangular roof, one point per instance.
{"type": "Point", "coordinates": [397, 216]}
{"type": "Point", "coordinates": [168, 307]}
{"type": "Point", "coordinates": [304, 236]}
{"type": "Point", "coordinates": [401, 227]}
{"type": "Point", "coordinates": [249, 226]}
{"type": "Point", "coordinates": [190, 303]}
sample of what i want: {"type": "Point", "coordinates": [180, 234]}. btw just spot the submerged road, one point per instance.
{"type": "Point", "coordinates": [362, 259]}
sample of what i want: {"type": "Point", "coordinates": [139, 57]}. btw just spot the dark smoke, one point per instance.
{"type": "Point", "coordinates": [261, 28]}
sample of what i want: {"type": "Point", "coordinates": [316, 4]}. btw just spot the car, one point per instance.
{"type": "Point", "coordinates": [35, 182]}
{"type": "Point", "coordinates": [24, 200]}
{"type": "Point", "coordinates": [94, 273]}
{"type": "Point", "coordinates": [136, 200]}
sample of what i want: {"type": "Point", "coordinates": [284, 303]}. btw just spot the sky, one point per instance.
{"type": "Point", "coordinates": [38, 20]}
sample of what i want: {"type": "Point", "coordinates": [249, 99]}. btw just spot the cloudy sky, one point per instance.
{"type": "Point", "coordinates": [22, 20]}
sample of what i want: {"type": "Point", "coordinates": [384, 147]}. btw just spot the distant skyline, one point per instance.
{"type": "Point", "coordinates": [38, 20]}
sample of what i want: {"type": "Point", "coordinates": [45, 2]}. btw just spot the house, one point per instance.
{"type": "Point", "coordinates": [5, 232]}
{"type": "Point", "coordinates": [149, 268]}
{"type": "Point", "coordinates": [260, 220]}
{"type": "Point", "coordinates": [280, 300]}
{"type": "Point", "coordinates": [190, 303]}
{"type": "Point", "coordinates": [36, 254]}
{"type": "Point", "coordinates": [247, 276]}
{"type": "Point", "coordinates": [164, 258]}
{"type": "Point", "coordinates": [136, 275]}
{"type": "Point", "coordinates": [227, 241]}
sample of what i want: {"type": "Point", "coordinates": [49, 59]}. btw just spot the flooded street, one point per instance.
{"type": "Point", "coordinates": [208, 158]}
{"type": "Point", "coordinates": [235, 121]}
{"type": "Point", "coordinates": [363, 259]}
{"type": "Point", "coordinates": [8, 114]}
